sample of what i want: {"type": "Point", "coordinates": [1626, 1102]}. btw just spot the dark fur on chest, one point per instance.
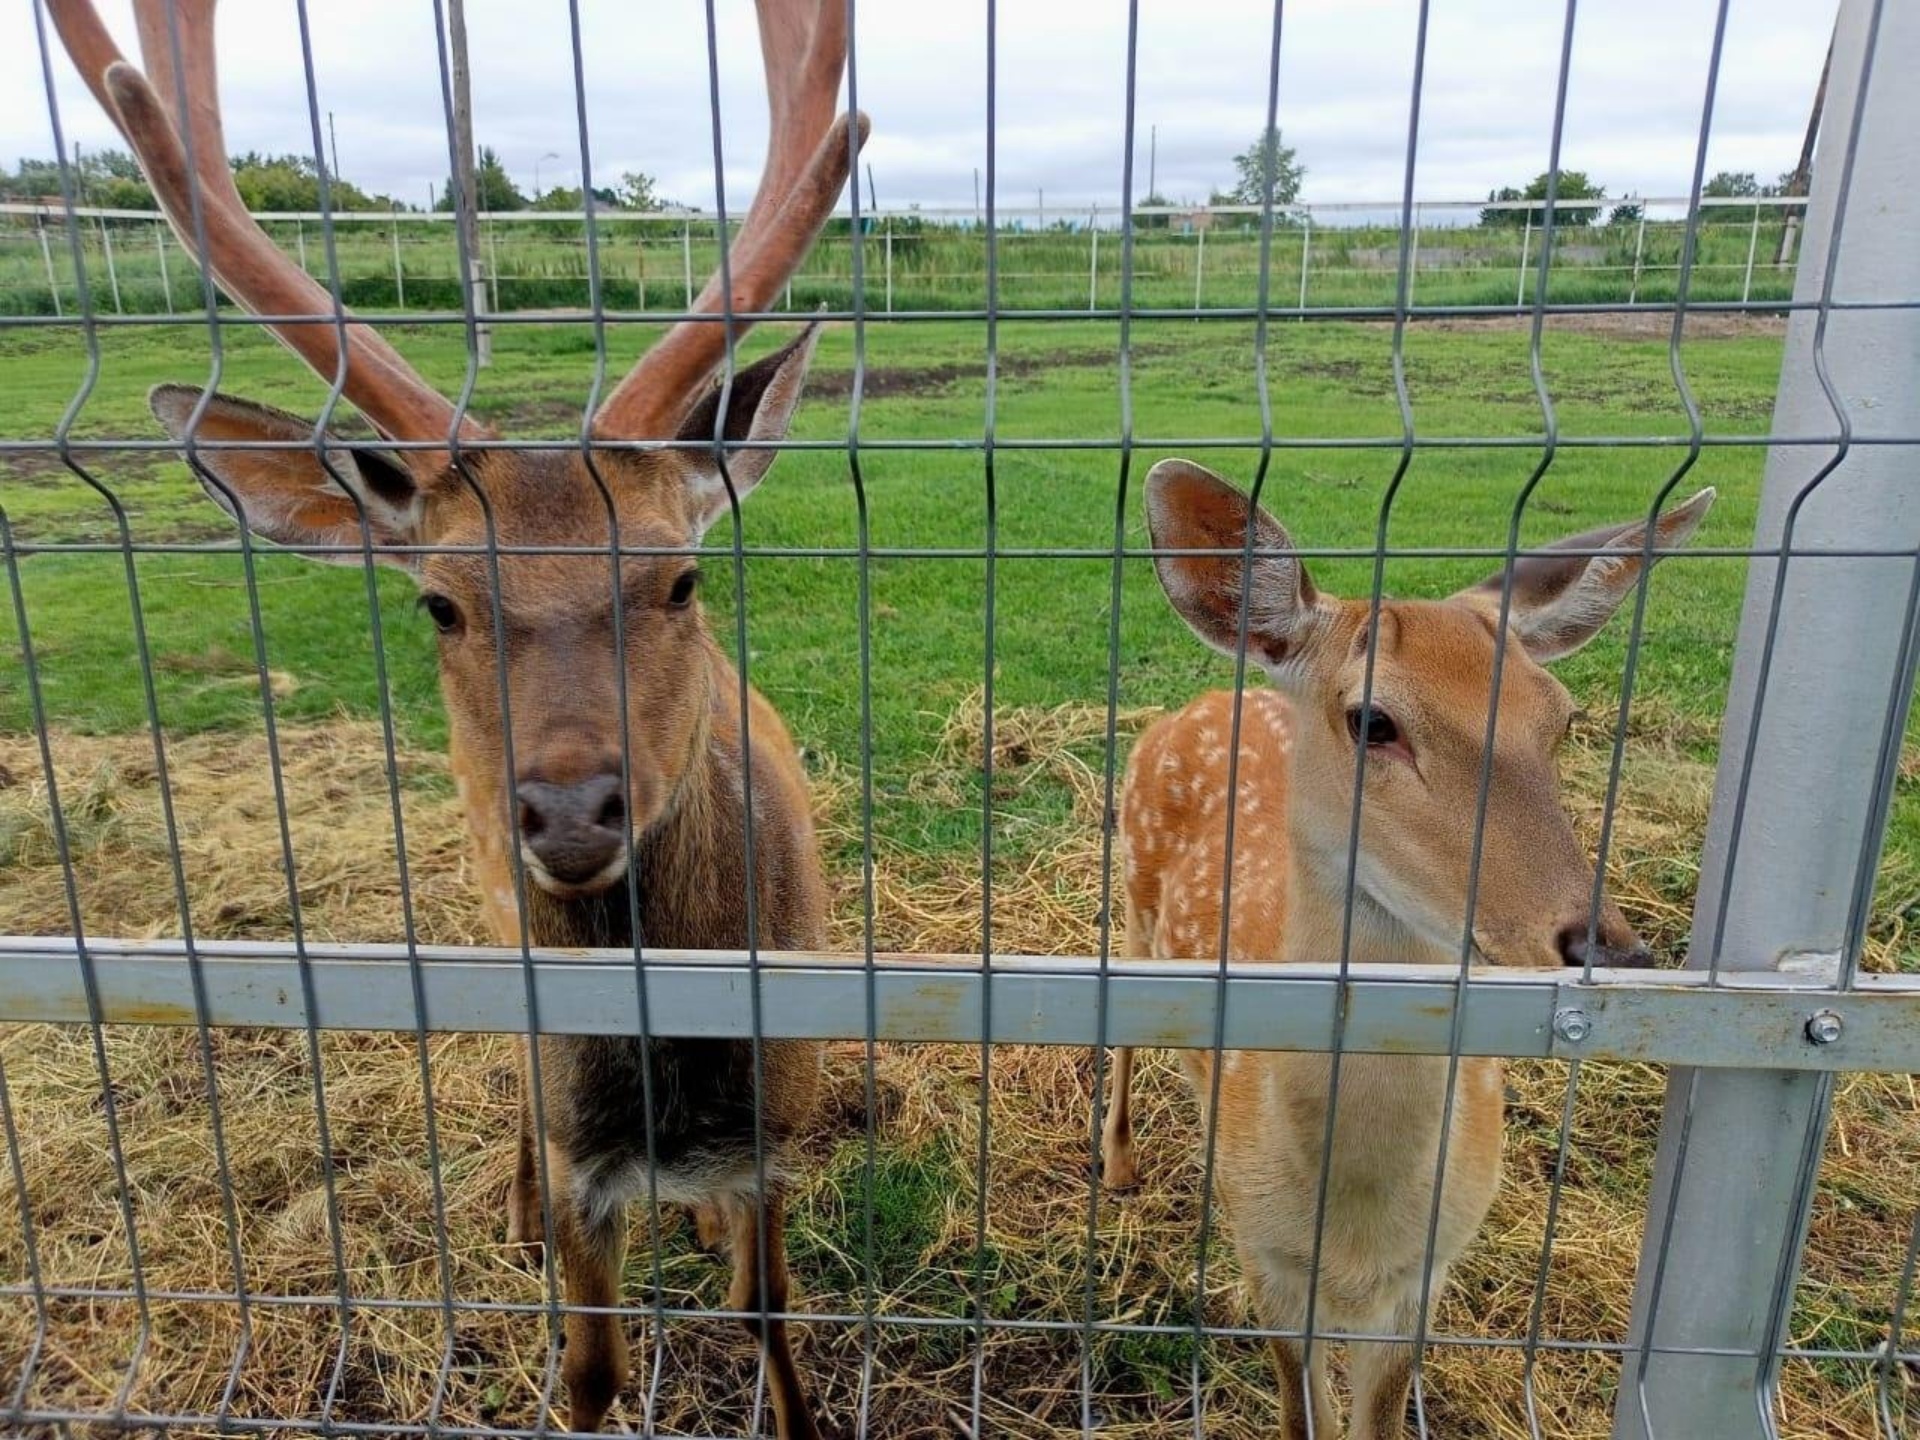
{"type": "Point", "coordinates": [610, 1099]}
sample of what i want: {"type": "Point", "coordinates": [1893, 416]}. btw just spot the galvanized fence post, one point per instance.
{"type": "Point", "coordinates": [1413, 255]}
{"type": "Point", "coordinates": [160, 248]}
{"type": "Point", "coordinates": [399, 282]}
{"type": "Point", "coordinates": [1199, 264]}
{"type": "Point", "coordinates": [1093, 260]}
{"type": "Point", "coordinates": [1753, 244]}
{"type": "Point", "coordinates": [46, 254]}
{"type": "Point", "coordinates": [1306, 250]}
{"type": "Point", "coordinates": [1520, 276]}
{"type": "Point", "coordinates": [113, 274]}
{"type": "Point", "coordinates": [1639, 248]}
{"type": "Point", "coordinates": [493, 270]}
{"type": "Point", "coordinates": [1823, 666]}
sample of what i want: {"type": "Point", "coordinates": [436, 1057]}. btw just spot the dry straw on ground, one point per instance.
{"type": "Point", "coordinates": [1033, 1262]}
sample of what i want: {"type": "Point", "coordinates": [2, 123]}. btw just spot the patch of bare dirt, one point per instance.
{"type": "Point", "coordinates": [1632, 325]}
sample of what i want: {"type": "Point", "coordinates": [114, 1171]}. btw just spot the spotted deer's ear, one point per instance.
{"type": "Point", "coordinates": [1560, 602]}
{"type": "Point", "coordinates": [1191, 508]}
{"type": "Point", "coordinates": [760, 405]}
{"type": "Point", "coordinates": [280, 488]}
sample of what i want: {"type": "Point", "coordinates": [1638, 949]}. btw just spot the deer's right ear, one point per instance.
{"type": "Point", "coordinates": [283, 492]}
{"type": "Point", "coordinates": [1191, 508]}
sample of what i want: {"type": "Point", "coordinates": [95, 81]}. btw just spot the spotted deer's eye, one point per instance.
{"type": "Point", "coordinates": [444, 613]}
{"type": "Point", "coordinates": [1373, 725]}
{"type": "Point", "coordinates": [684, 585]}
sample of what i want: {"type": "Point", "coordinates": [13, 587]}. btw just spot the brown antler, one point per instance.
{"type": "Point", "coordinates": [240, 256]}
{"type": "Point", "coordinates": [803, 44]}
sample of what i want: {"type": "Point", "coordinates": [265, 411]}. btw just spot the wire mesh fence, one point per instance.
{"type": "Point", "coordinates": [391, 941]}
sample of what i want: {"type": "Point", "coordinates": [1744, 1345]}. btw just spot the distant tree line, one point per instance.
{"type": "Point", "coordinates": [1580, 200]}
{"type": "Point", "coordinates": [112, 179]}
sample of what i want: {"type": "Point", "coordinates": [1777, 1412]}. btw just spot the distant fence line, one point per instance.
{"type": "Point", "coordinates": [1322, 256]}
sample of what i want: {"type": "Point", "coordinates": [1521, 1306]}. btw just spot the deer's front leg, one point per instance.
{"type": "Point", "coordinates": [792, 1411]}
{"type": "Point", "coordinates": [591, 1235]}
{"type": "Point", "coordinates": [524, 1226]}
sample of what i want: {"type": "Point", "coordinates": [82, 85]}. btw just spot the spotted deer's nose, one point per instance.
{"type": "Point", "coordinates": [576, 831]}
{"type": "Point", "coordinates": [1612, 947]}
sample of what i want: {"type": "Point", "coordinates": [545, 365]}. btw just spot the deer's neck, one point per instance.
{"type": "Point", "coordinates": [1318, 928]}
{"type": "Point", "coordinates": [1391, 1105]}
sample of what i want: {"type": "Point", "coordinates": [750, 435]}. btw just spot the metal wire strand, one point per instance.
{"type": "Point", "coordinates": [1242, 621]}
{"type": "Point", "coordinates": [737, 538]}
{"type": "Point", "coordinates": [462, 465]}
{"type": "Point", "coordinates": [329, 1179]}
{"type": "Point", "coordinates": [1109, 811]}
{"type": "Point", "coordinates": [1376, 599]}
{"type": "Point", "coordinates": [1549, 453]}
{"type": "Point", "coordinates": [621, 661]}
{"type": "Point", "coordinates": [1891, 1357]}
{"type": "Point", "coordinates": [869, 1077]}
{"type": "Point", "coordinates": [324, 456]}
{"type": "Point", "coordinates": [982, 1174]}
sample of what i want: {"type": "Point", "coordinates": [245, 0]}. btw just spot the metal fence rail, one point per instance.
{"type": "Point", "coordinates": [336, 1268]}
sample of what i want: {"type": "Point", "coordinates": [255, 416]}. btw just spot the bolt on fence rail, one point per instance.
{"type": "Point", "coordinates": [255, 1088]}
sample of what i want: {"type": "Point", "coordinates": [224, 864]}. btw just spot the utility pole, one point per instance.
{"type": "Point", "coordinates": [333, 146]}
{"type": "Point", "coordinates": [1153, 163]}
{"type": "Point", "coordinates": [1797, 183]}
{"type": "Point", "coordinates": [976, 195]}
{"type": "Point", "coordinates": [466, 203]}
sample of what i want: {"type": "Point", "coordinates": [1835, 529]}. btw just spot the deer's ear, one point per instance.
{"type": "Point", "coordinates": [1191, 508]}
{"type": "Point", "coordinates": [760, 406]}
{"type": "Point", "coordinates": [1561, 602]}
{"type": "Point", "coordinates": [284, 492]}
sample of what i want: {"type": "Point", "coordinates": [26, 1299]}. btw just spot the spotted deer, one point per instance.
{"type": "Point", "coordinates": [663, 836]}
{"type": "Point", "coordinates": [1424, 737]}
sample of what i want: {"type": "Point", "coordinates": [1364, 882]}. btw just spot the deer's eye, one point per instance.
{"type": "Point", "coordinates": [684, 585]}
{"type": "Point", "coordinates": [1373, 725]}
{"type": "Point", "coordinates": [444, 613]}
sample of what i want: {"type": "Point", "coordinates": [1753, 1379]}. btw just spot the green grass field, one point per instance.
{"type": "Point", "coordinates": [1328, 382]}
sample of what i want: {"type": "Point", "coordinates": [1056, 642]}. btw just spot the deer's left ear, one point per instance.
{"type": "Point", "coordinates": [760, 406]}
{"type": "Point", "coordinates": [1561, 602]}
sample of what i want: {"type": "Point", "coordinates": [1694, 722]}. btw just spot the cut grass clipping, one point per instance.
{"type": "Point", "coordinates": [918, 1190]}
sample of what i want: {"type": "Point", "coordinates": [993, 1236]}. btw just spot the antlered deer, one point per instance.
{"type": "Point", "coordinates": [664, 836]}
{"type": "Point", "coordinates": [1424, 735]}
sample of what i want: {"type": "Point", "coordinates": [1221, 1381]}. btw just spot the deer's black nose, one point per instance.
{"type": "Point", "coordinates": [1577, 949]}
{"type": "Point", "coordinates": [574, 830]}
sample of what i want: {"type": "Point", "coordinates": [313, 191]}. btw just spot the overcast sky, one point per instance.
{"type": "Point", "coordinates": [1633, 104]}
